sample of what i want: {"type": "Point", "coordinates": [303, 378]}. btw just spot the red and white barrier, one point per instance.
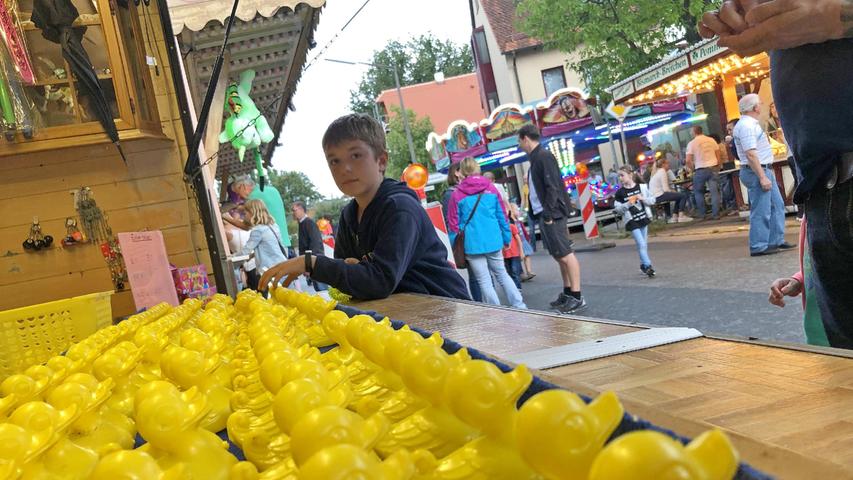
{"type": "Point", "coordinates": [590, 225]}
{"type": "Point", "coordinates": [436, 216]}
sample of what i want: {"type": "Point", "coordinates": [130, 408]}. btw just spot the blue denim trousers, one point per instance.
{"type": "Point", "coordinates": [709, 177]}
{"type": "Point", "coordinates": [492, 264]}
{"type": "Point", "coordinates": [766, 211]}
{"type": "Point", "coordinates": [829, 228]}
{"type": "Point", "coordinates": [641, 238]}
{"type": "Point", "coordinates": [513, 268]}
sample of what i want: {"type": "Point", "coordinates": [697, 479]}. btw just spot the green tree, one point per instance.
{"type": "Point", "coordinates": [294, 186]}
{"type": "Point", "coordinates": [612, 39]}
{"type": "Point", "coordinates": [398, 147]}
{"type": "Point", "coordinates": [417, 61]}
{"type": "Point", "coordinates": [331, 207]}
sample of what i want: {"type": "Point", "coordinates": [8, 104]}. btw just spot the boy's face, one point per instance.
{"type": "Point", "coordinates": [355, 168]}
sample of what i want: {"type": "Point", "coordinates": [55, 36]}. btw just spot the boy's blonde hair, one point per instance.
{"type": "Point", "coordinates": [257, 213]}
{"type": "Point", "coordinates": [469, 167]}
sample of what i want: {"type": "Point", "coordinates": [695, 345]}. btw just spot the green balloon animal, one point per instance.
{"type": "Point", "coordinates": [245, 128]}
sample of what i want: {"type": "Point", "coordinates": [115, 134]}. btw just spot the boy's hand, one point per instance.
{"type": "Point", "coordinates": [783, 287]}
{"type": "Point", "coordinates": [351, 261]}
{"type": "Point", "coordinates": [289, 270]}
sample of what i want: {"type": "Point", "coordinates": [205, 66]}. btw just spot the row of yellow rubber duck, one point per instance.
{"type": "Point", "coordinates": [382, 404]}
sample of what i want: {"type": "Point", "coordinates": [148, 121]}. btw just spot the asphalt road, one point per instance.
{"type": "Point", "coordinates": [704, 280]}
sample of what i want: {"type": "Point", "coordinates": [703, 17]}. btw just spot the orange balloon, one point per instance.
{"type": "Point", "coordinates": [582, 170]}
{"type": "Point", "coordinates": [416, 176]}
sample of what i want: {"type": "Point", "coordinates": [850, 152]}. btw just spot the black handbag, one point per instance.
{"type": "Point", "coordinates": [459, 241]}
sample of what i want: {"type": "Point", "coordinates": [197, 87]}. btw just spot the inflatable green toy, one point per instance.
{"type": "Point", "coordinates": [245, 128]}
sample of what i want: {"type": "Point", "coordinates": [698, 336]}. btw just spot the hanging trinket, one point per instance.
{"type": "Point", "coordinates": [73, 235]}
{"type": "Point", "coordinates": [115, 261]}
{"type": "Point", "coordinates": [37, 240]}
{"type": "Point", "coordinates": [93, 220]}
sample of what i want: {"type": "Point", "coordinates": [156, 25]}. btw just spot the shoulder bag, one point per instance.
{"type": "Point", "coordinates": [459, 241]}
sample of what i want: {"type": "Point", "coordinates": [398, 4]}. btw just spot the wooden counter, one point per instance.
{"type": "Point", "coordinates": [789, 411]}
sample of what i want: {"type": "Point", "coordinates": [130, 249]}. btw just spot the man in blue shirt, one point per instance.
{"type": "Point", "coordinates": [811, 52]}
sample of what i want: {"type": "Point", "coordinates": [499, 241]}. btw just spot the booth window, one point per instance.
{"type": "Point", "coordinates": [63, 112]}
{"type": "Point", "coordinates": [554, 79]}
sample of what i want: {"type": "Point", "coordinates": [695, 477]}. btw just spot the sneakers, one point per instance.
{"type": "Point", "coordinates": [647, 270]}
{"type": "Point", "coordinates": [561, 300]}
{"type": "Point", "coordinates": [573, 305]}
{"type": "Point", "coordinates": [526, 277]}
{"type": "Point", "coordinates": [785, 246]}
{"type": "Point", "coordinates": [769, 251]}
{"type": "Point", "coordinates": [672, 219]}
{"type": "Point", "coordinates": [682, 218]}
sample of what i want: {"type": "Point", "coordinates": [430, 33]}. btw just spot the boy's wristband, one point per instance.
{"type": "Point", "coordinates": [309, 265]}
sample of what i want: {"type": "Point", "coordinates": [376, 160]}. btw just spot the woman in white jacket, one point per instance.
{"type": "Point", "coordinates": [632, 201]}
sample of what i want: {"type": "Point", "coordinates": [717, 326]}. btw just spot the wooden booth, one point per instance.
{"type": "Point", "coordinates": [712, 79]}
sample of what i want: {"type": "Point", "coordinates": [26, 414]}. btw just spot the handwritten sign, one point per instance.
{"type": "Point", "coordinates": [148, 268]}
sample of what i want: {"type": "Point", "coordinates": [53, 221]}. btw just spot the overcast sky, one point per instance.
{"type": "Point", "coordinates": [323, 91]}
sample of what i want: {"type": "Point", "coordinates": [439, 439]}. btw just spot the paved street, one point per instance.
{"type": "Point", "coordinates": [705, 280]}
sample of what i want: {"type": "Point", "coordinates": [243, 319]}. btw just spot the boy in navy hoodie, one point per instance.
{"type": "Point", "coordinates": [385, 241]}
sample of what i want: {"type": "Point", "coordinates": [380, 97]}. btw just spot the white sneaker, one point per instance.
{"type": "Point", "coordinates": [682, 218]}
{"type": "Point", "coordinates": [672, 220]}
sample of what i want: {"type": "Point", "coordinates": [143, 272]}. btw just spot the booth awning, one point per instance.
{"type": "Point", "coordinates": [195, 14]}
{"type": "Point", "coordinates": [695, 70]}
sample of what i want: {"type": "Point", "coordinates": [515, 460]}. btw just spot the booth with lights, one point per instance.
{"type": "Point", "coordinates": [712, 79]}
{"type": "Point", "coordinates": [570, 129]}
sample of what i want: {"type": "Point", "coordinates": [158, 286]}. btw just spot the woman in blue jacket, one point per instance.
{"type": "Point", "coordinates": [477, 209]}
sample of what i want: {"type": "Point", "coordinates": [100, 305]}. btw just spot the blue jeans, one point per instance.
{"type": "Point", "coordinates": [641, 238]}
{"type": "Point", "coordinates": [679, 198]}
{"type": "Point", "coordinates": [486, 265]}
{"type": "Point", "coordinates": [702, 177]}
{"type": "Point", "coordinates": [476, 294]}
{"type": "Point", "coordinates": [728, 191]}
{"type": "Point", "coordinates": [513, 268]}
{"type": "Point", "coordinates": [829, 227]}
{"type": "Point", "coordinates": [766, 211]}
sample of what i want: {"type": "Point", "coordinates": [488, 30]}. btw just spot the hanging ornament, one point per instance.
{"type": "Point", "coordinates": [36, 239]}
{"type": "Point", "coordinates": [72, 235]}
{"type": "Point", "coordinates": [246, 128]}
{"type": "Point", "coordinates": [416, 176]}
{"type": "Point", "coordinates": [92, 217]}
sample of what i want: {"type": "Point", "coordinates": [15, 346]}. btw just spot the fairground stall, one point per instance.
{"type": "Point", "coordinates": [580, 138]}
{"type": "Point", "coordinates": [712, 79]}
{"type": "Point", "coordinates": [293, 386]}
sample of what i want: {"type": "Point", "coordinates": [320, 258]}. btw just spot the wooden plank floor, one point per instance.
{"type": "Point", "coordinates": [789, 412]}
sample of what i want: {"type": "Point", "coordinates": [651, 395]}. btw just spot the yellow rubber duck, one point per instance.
{"type": "Point", "coordinates": [91, 430]}
{"type": "Point", "coordinates": [347, 462]}
{"type": "Point", "coordinates": [433, 428]}
{"type": "Point", "coordinates": [61, 458]}
{"type": "Point", "coordinates": [262, 442]}
{"type": "Point", "coordinates": [559, 435]}
{"type": "Point", "coordinates": [301, 396]}
{"type": "Point", "coordinates": [190, 368]}
{"type": "Point", "coordinates": [327, 426]}
{"type": "Point", "coordinates": [24, 388]}
{"type": "Point", "coordinates": [650, 455]}
{"type": "Point", "coordinates": [169, 422]}
{"type": "Point", "coordinates": [482, 396]}
{"type": "Point", "coordinates": [116, 364]}
{"type": "Point", "coordinates": [133, 465]}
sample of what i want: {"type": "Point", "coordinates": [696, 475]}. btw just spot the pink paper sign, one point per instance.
{"type": "Point", "coordinates": [148, 269]}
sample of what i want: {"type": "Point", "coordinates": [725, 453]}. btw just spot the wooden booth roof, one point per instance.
{"type": "Point", "coordinates": [274, 42]}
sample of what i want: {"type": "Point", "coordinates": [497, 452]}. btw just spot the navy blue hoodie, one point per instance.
{"type": "Point", "coordinates": [397, 246]}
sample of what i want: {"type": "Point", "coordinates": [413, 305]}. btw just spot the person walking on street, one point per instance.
{"type": "Point", "coordinates": [477, 210]}
{"type": "Point", "coordinates": [703, 157]}
{"type": "Point", "coordinates": [526, 248]}
{"type": "Point", "coordinates": [632, 202]}
{"type": "Point", "coordinates": [811, 58]}
{"type": "Point", "coordinates": [766, 207]}
{"type": "Point", "coordinates": [550, 203]}
{"type": "Point", "coordinates": [310, 238]}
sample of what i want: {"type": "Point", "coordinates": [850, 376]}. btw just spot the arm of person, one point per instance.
{"type": "Point", "coordinates": [233, 221]}
{"type": "Point", "coordinates": [689, 162]}
{"type": "Point", "coordinates": [755, 166]}
{"type": "Point", "coordinates": [255, 237]}
{"type": "Point", "coordinates": [749, 27]}
{"type": "Point", "coordinates": [537, 176]}
{"type": "Point", "coordinates": [369, 279]}
{"type": "Point", "coordinates": [551, 194]}
{"type": "Point", "coordinates": [500, 216]}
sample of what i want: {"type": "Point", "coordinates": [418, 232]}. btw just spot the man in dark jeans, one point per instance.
{"type": "Point", "coordinates": [550, 203]}
{"type": "Point", "coordinates": [811, 55]}
{"type": "Point", "coordinates": [310, 237]}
